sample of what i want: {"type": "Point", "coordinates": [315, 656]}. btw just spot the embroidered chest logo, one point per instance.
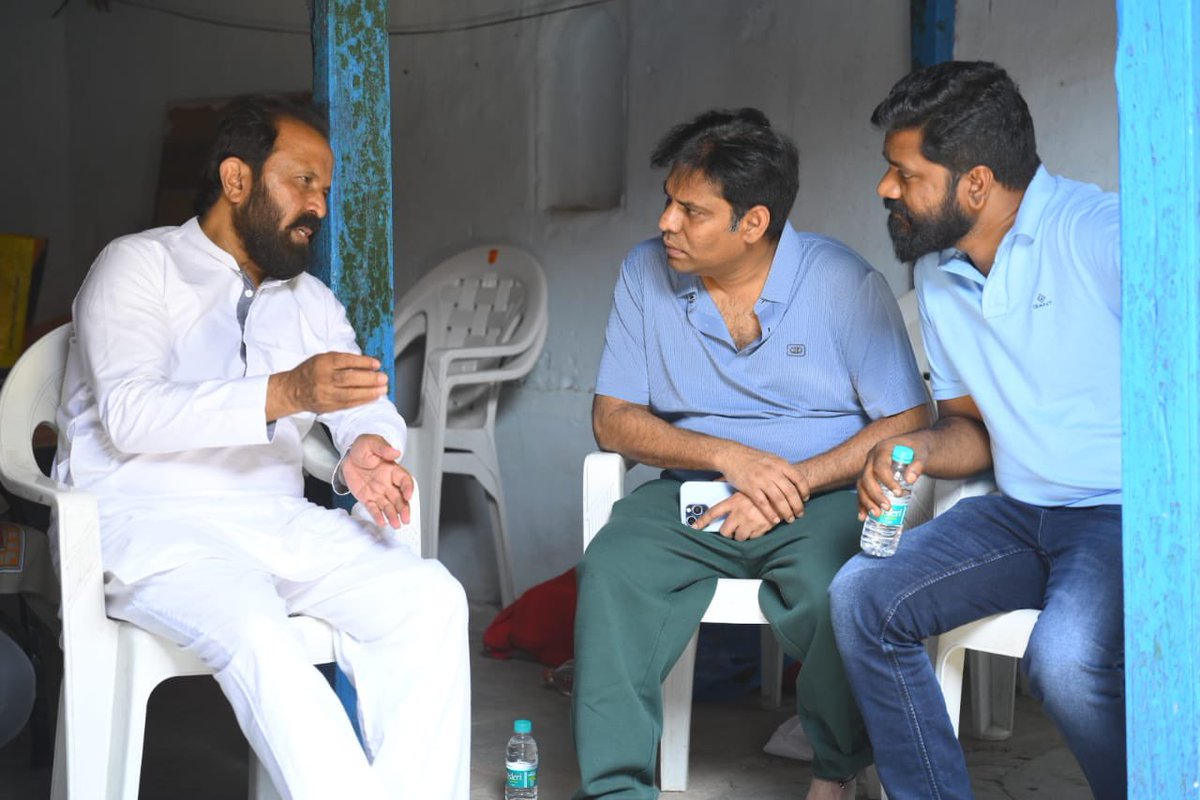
{"type": "Point", "coordinates": [1041, 301]}
{"type": "Point", "coordinates": [797, 350]}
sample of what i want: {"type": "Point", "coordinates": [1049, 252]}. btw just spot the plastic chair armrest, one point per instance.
{"type": "Point", "coordinates": [603, 486]}
{"type": "Point", "coordinates": [949, 492]}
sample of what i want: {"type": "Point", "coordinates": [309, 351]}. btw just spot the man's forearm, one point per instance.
{"type": "Point", "coordinates": [841, 465]}
{"type": "Point", "coordinates": [636, 433]}
{"type": "Point", "coordinates": [957, 447]}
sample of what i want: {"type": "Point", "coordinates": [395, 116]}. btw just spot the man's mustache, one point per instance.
{"type": "Point", "coordinates": [307, 220]}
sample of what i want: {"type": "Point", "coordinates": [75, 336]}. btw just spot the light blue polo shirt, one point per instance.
{"type": "Point", "coordinates": [832, 356]}
{"type": "Point", "coordinates": [1037, 343]}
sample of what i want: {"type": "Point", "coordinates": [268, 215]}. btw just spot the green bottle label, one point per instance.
{"type": "Point", "coordinates": [521, 776]}
{"type": "Point", "coordinates": [895, 514]}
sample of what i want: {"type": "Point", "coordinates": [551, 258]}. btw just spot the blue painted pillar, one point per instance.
{"type": "Point", "coordinates": [932, 31]}
{"type": "Point", "coordinates": [354, 248]}
{"type": "Point", "coordinates": [1158, 95]}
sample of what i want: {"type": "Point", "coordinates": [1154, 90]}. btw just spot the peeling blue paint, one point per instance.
{"type": "Point", "coordinates": [354, 247]}
{"type": "Point", "coordinates": [1158, 98]}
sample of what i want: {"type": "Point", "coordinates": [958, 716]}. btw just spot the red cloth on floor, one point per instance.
{"type": "Point", "coordinates": [541, 623]}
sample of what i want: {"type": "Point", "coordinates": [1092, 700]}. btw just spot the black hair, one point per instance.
{"type": "Point", "coordinates": [969, 113]}
{"type": "Point", "coordinates": [247, 131]}
{"type": "Point", "coordinates": [742, 155]}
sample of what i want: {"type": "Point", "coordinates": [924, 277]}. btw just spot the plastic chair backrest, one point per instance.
{"type": "Point", "coordinates": [30, 399]}
{"type": "Point", "coordinates": [487, 305]}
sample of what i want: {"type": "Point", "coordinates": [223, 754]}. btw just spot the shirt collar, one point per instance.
{"type": "Point", "coordinates": [1025, 226]}
{"type": "Point", "coordinates": [1033, 204]}
{"type": "Point", "coordinates": [194, 235]}
{"type": "Point", "coordinates": [777, 289]}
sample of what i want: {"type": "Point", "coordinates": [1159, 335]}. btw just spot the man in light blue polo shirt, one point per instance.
{"type": "Point", "coordinates": [740, 348]}
{"type": "Point", "coordinates": [1018, 279]}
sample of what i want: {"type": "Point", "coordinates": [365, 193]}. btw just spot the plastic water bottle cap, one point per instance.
{"type": "Point", "coordinates": [522, 726]}
{"type": "Point", "coordinates": [902, 454]}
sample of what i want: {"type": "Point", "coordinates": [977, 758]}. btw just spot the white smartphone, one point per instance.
{"type": "Point", "coordinates": [696, 497]}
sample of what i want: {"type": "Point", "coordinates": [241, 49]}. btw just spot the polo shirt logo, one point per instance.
{"type": "Point", "coordinates": [796, 350]}
{"type": "Point", "coordinates": [1042, 301]}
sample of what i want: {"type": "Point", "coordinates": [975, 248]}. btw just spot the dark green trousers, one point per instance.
{"type": "Point", "coordinates": [644, 584]}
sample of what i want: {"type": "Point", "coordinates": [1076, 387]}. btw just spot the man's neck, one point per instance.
{"type": "Point", "coordinates": [993, 224]}
{"type": "Point", "coordinates": [746, 278]}
{"type": "Point", "coordinates": [217, 224]}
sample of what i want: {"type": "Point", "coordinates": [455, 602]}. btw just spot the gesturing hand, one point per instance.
{"type": "Point", "coordinates": [743, 520]}
{"type": "Point", "coordinates": [776, 487]}
{"type": "Point", "coordinates": [325, 382]}
{"type": "Point", "coordinates": [377, 481]}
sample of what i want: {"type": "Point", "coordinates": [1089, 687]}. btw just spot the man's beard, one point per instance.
{"type": "Point", "coordinates": [268, 241]}
{"type": "Point", "coordinates": [913, 236]}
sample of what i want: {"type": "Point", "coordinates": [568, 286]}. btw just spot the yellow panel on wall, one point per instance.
{"type": "Point", "coordinates": [19, 263]}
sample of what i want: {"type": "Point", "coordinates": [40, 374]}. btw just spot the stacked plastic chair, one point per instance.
{"type": "Point", "coordinates": [483, 316]}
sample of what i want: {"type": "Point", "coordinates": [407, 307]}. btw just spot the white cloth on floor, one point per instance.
{"type": "Point", "coordinates": [790, 741]}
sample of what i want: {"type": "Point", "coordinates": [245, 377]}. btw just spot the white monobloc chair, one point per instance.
{"type": "Point", "coordinates": [993, 685]}
{"type": "Point", "coordinates": [483, 315]}
{"type": "Point", "coordinates": [735, 601]}
{"type": "Point", "coordinates": [110, 667]}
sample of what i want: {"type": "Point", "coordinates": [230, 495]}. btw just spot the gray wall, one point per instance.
{"type": "Point", "coordinates": [89, 91]}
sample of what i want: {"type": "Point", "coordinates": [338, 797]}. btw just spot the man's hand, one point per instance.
{"type": "Point", "coordinates": [776, 487]}
{"type": "Point", "coordinates": [743, 519]}
{"type": "Point", "coordinates": [878, 469]}
{"type": "Point", "coordinates": [325, 382]}
{"type": "Point", "coordinates": [377, 481]}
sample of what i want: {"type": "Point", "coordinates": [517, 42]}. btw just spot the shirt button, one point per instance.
{"type": "Point", "coordinates": [249, 293]}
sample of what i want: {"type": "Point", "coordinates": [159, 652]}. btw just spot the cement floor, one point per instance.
{"type": "Point", "coordinates": [194, 750]}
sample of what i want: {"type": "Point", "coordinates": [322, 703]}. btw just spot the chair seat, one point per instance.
{"type": "Point", "coordinates": [736, 601]}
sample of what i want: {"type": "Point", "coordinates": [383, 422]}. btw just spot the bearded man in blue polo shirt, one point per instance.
{"type": "Point", "coordinates": [1018, 281]}
{"type": "Point", "coordinates": [736, 347]}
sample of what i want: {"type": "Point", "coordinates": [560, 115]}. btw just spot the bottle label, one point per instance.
{"type": "Point", "coordinates": [895, 514]}
{"type": "Point", "coordinates": [522, 776]}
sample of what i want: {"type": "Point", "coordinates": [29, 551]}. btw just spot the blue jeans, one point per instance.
{"type": "Point", "coordinates": [983, 556]}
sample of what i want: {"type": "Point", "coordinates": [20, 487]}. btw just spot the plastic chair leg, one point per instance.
{"type": "Point", "coordinates": [772, 669]}
{"type": "Point", "coordinates": [503, 552]}
{"type": "Point", "coordinates": [58, 775]}
{"type": "Point", "coordinates": [677, 721]}
{"type": "Point", "coordinates": [261, 785]}
{"type": "Point", "coordinates": [949, 672]}
{"type": "Point", "coordinates": [993, 695]}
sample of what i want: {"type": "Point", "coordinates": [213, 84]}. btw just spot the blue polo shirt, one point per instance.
{"type": "Point", "coordinates": [832, 356]}
{"type": "Point", "coordinates": [1037, 343]}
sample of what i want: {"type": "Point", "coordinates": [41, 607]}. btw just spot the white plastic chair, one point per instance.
{"type": "Point", "coordinates": [483, 316]}
{"type": "Point", "coordinates": [735, 601]}
{"type": "Point", "coordinates": [110, 667]}
{"type": "Point", "coordinates": [994, 678]}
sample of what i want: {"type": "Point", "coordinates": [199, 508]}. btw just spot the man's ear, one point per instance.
{"type": "Point", "coordinates": [975, 186]}
{"type": "Point", "coordinates": [754, 224]}
{"type": "Point", "coordinates": [236, 179]}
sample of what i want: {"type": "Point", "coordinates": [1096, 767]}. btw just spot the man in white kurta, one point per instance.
{"type": "Point", "coordinates": [202, 356]}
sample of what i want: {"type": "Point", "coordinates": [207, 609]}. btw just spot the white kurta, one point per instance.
{"type": "Point", "coordinates": [163, 413]}
{"type": "Point", "coordinates": [206, 537]}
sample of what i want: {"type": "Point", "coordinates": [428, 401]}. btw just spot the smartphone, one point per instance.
{"type": "Point", "coordinates": [696, 497]}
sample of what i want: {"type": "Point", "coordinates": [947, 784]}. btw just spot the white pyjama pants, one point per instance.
{"type": "Point", "coordinates": [402, 641]}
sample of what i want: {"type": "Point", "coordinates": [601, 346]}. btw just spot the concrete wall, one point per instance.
{"type": "Point", "coordinates": [467, 139]}
{"type": "Point", "coordinates": [1061, 55]}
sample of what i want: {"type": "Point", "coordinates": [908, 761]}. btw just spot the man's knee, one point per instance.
{"type": "Point", "coordinates": [246, 636]}
{"type": "Point", "coordinates": [856, 597]}
{"type": "Point", "coordinates": [1068, 666]}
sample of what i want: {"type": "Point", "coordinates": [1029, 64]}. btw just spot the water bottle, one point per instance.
{"type": "Point", "coordinates": [881, 534]}
{"type": "Point", "coordinates": [522, 760]}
